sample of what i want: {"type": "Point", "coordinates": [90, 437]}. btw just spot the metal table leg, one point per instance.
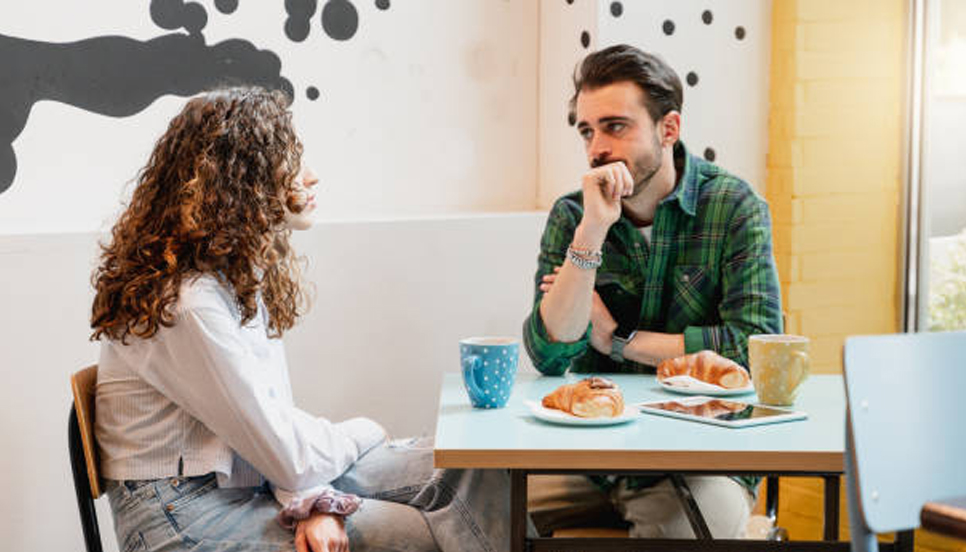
{"type": "Point", "coordinates": [518, 510]}
{"type": "Point", "coordinates": [831, 508]}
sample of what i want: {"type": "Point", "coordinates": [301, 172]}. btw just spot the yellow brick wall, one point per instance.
{"type": "Point", "coordinates": [834, 167]}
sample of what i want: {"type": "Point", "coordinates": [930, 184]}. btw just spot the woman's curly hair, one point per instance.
{"type": "Point", "coordinates": [211, 200]}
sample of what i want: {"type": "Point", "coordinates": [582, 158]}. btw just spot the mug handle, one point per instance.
{"type": "Point", "coordinates": [801, 364]}
{"type": "Point", "coordinates": [470, 364]}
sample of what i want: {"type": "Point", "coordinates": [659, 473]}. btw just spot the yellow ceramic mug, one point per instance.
{"type": "Point", "coordinates": [779, 365]}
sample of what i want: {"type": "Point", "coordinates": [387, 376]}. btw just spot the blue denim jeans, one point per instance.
{"type": "Point", "coordinates": [407, 506]}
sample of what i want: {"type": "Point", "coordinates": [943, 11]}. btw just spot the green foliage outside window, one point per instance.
{"type": "Point", "coordinates": [947, 293]}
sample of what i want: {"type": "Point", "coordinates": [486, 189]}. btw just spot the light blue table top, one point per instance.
{"type": "Point", "coordinates": [512, 438]}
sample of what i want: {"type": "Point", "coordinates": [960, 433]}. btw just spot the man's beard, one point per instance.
{"type": "Point", "coordinates": [645, 167]}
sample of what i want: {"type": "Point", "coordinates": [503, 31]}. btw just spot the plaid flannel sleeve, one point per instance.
{"type": "Point", "coordinates": [751, 295]}
{"type": "Point", "coordinates": [553, 357]}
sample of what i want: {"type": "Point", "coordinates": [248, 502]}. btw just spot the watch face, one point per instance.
{"type": "Point", "coordinates": [617, 346]}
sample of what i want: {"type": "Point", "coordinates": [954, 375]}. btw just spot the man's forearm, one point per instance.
{"type": "Point", "coordinates": [565, 308]}
{"type": "Point", "coordinates": [652, 347]}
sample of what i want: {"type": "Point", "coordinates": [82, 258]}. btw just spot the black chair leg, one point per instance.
{"type": "Point", "coordinates": [905, 541]}
{"type": "Point", "coordinates": [82, 486]}
{"type": "Point", "coordinates": [771, 498]}
{"type": "Point", "coordinates": [690, 505]}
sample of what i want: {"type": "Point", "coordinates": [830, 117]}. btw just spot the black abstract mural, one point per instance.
{"type": "Point", "coordinates": [120, 76]}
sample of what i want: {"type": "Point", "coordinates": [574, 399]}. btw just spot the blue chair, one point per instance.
{"type": "Point", "coordinates": [905, 432]}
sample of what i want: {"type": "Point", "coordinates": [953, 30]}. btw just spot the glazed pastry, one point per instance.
{"type": "Point", "coordinates": [707, 366]}
{"type": "Point", "coordinates": [588, 398]}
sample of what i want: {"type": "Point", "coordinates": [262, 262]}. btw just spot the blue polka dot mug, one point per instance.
{"type": "Point", "coordinates": [489, 368]}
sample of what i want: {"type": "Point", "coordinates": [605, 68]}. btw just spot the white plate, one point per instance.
{"type": "Point", "coordinates": [555, 416]}
{"type": "Point", "coordinates": [686, 385]}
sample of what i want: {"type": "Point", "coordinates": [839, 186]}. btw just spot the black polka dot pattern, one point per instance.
{"type": "Point", "coordinates": [616, 9]}
{"type": "Point", "coordinates": [692, 78]}
{"type": "Point", "coordinates": [572, 119]}
{"type": "Point", "coordinates": [740, 32]}
{"type": "Point", "coordinates": [175, 14]}
{"type": "Point", "coordinates": [226, 6]}
{"type": "Point", "coordinates": [312, 93]}
{"type": "Point", "coordinates": [668, 27]}
{"type": "Point", "coordinates": [709, 154]}
{"type": "Point", "coordinates": [382, 4]}
{"type": "Point", "coordinates": [299, 20]}
{"type": "Point", "coordinates": [707, 17]}
{"type": "Point", "coordinates": [296, 30]}
{"type": "Point", "coordinates": [340, 20]}
{"type": "Point", "coordinates": [585, 39]}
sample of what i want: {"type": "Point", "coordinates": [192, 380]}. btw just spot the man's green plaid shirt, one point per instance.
{"type": "Point", "coordinates": [708, 273]}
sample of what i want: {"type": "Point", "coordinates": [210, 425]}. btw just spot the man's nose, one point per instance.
{"type": "Point", "coordinates": [599, 151]}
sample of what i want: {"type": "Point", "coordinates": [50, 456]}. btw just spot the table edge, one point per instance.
{"type": "Point", "coordinates": [710, 461]}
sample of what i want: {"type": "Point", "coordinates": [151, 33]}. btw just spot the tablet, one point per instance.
{"type": "Point", "coordinates": [722, 412]}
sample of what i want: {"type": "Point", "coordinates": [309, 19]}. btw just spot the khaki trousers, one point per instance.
{"type": "Point", "coordinates": [654, 512]}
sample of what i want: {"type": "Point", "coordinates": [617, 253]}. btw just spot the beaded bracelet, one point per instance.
{"type": "Point", "coordinates": [584, 259]}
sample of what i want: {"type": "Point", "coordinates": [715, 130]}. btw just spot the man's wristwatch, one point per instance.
{"type": "Point", "coordinates": [617, 346]}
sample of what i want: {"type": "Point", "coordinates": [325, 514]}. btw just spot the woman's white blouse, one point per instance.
{"type": "Point", "coordinates": [209, 395]}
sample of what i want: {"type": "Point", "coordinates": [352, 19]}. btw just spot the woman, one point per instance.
{"type": "Point", "coordinates": [200, 443]}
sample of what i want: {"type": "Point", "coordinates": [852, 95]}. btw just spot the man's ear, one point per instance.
{"type": "Point", "coordinates": [670, 128]}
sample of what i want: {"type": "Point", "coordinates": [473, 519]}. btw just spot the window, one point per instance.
{"type": "Point", "coordinates": [936, 276]}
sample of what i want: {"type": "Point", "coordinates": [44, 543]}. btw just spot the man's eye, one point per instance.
{"type": "Point", "coordinates": [586, 133]}
{"type": "Point", "coordinates": [616, 127]}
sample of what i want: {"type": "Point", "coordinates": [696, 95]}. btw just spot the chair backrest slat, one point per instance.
{"type": "Point", "coordinates": [906, 416]}
{"type": "Point", "coordinates": [82, 384]}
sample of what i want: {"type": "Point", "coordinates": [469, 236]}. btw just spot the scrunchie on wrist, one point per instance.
{"type": "Point", "coordinates": [328, 502]}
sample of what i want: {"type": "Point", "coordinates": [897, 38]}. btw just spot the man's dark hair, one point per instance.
{"type": "Point", "coordinates": [660, 84]}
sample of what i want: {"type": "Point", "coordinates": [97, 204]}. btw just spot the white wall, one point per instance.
{"type": "Point", "coordinates": [727, 110]}
{"type": "Point", "coordinates": [392, 300]}
{"type": "Point", "coordinates": [562, 158]}
{"type": "Point", "coordinates": [430, 107]}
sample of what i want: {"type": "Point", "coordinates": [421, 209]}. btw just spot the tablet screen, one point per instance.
{"type": "Point", "coordinates": [722, 411]}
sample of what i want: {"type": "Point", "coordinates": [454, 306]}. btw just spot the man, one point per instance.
{"type": "Point", "coordinates": [659, 254]}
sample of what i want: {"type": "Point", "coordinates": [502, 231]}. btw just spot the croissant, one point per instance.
{"type": "Point", "coordinates": [707, 366]}
{"type": "Point", "coordinates": [593, 397]}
